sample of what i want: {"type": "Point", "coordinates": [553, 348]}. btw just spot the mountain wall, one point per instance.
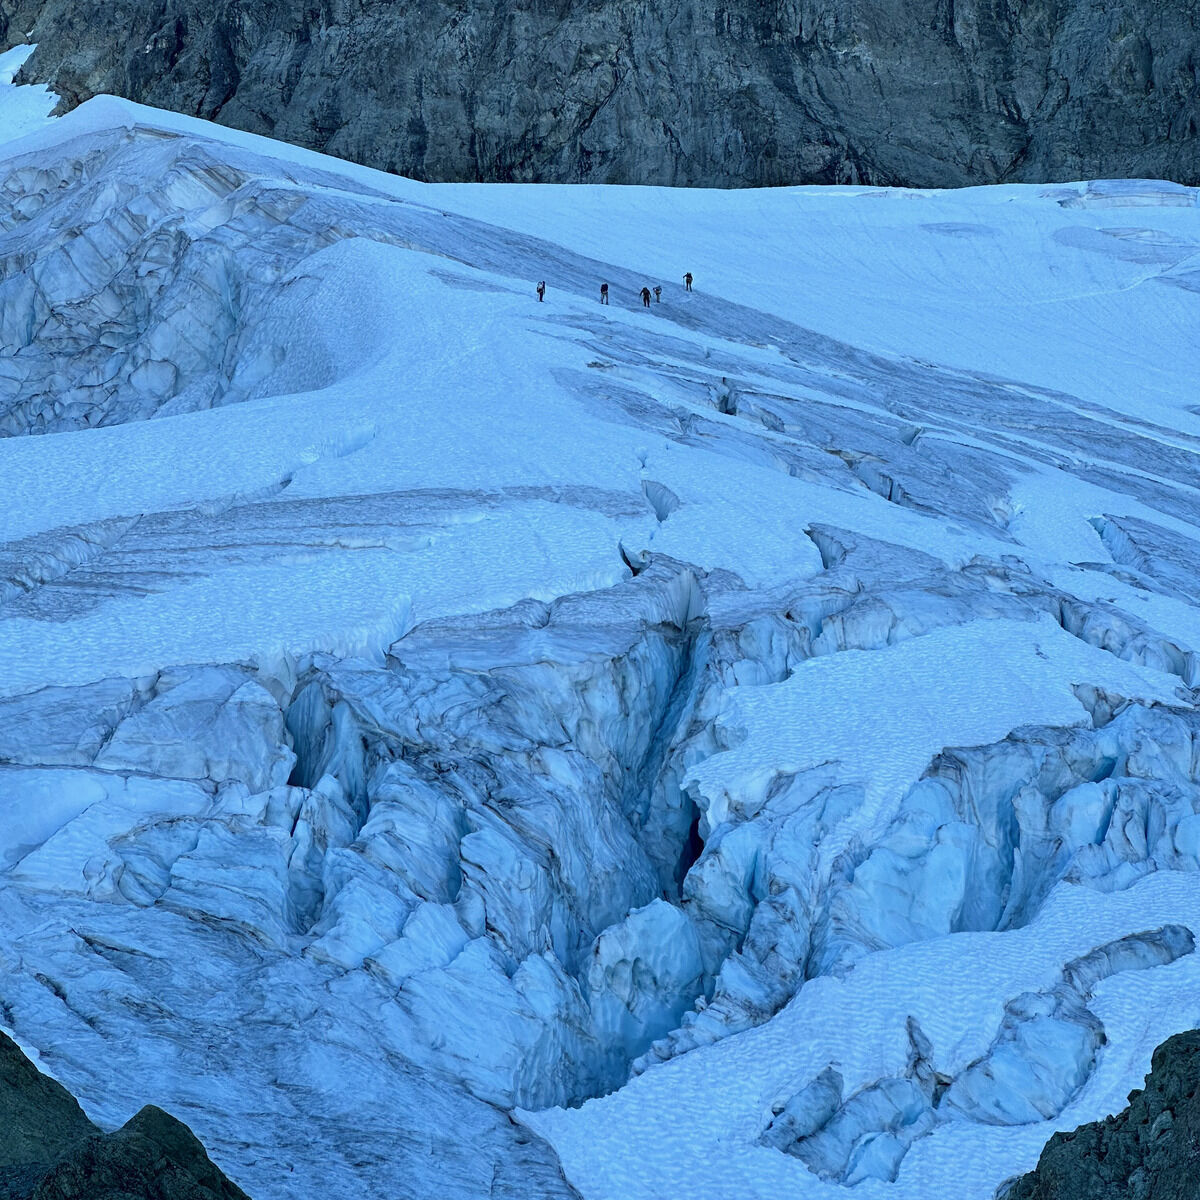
{"type": "Point", "coordinates": [724, 93]}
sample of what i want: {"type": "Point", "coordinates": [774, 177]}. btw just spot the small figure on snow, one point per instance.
{"type": "Point", "coordinates": [687, 282]}
{"type": "Point", "coordinates": [646, 297]}
{"type": "Point", "coordinates": [541, 291]}
{"type": "Point", "coordinates": [657, 294]}
{"type": "Point", "coordinates": [604, 293]}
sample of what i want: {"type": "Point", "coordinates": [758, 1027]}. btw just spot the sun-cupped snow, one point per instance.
{"type": "Point", "coordinates": [458, 743]}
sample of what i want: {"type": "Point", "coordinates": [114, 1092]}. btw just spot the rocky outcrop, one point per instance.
{"type": "Point", "coordinates": [688, 92]}
{"type": "Point", "coordinates": [1147, 1151]}
{"type": "Point", "coordinates": [50, 1151]}
{"type": "Point", "coordinates": [39, 1119]}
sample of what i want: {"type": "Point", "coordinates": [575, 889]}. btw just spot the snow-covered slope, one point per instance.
{"type": "Point", "coordinates": [751, 741]}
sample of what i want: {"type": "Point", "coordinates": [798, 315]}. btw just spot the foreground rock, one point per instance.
{"type": "Point", "coordinates": [689, 92]}
{"type": "Point", "coordinates": [50, 1151]}
{"type": "Point", "coordinates": [1147, 1152]}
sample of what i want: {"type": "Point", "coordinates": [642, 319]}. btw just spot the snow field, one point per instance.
{"type": "Point", "coordinates": [420, 704]}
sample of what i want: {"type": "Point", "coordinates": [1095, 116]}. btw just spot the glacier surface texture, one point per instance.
{"type": "Point", "coordinates": [457, 745]}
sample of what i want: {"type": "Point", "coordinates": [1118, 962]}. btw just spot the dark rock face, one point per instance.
{"type": "Point", "coordinates": [695, 92]}
{"type": "Point", "coordinates": [1151, 1151]}
{"type": "Point", "coordinates": [39, 1120]}
{"type": "Point", "coordinates": [49, 1150]}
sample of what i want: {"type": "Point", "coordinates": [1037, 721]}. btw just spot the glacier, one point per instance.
{"type": "Point", "coordinates": [454, 744]}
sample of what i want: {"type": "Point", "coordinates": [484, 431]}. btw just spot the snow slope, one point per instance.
{"type": "Point", "coordinates": [751, 741]}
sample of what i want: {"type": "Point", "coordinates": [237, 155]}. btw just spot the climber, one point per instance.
{"type": "Point", "coordinates": [657, 294]}
{"type": "Point", "coordinates": [604, 293]}
{"type": "Point", "coordinates": [646, 297]}
{"type": "Point", "coordinates": [687, 282]}
{"type": "Point", "coordinates": [541, 291]}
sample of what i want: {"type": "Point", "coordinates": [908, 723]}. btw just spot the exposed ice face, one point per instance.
{"type": "Point", "coordinates": [982, 839]}
{"type": "Point", "coordinates": [1042, 1055]}
{"type": "Point", "coordinates": [773, 746]}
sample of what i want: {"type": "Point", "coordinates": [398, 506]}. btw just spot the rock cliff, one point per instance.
{"type": "Point", "coordinates": [929, 93]}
